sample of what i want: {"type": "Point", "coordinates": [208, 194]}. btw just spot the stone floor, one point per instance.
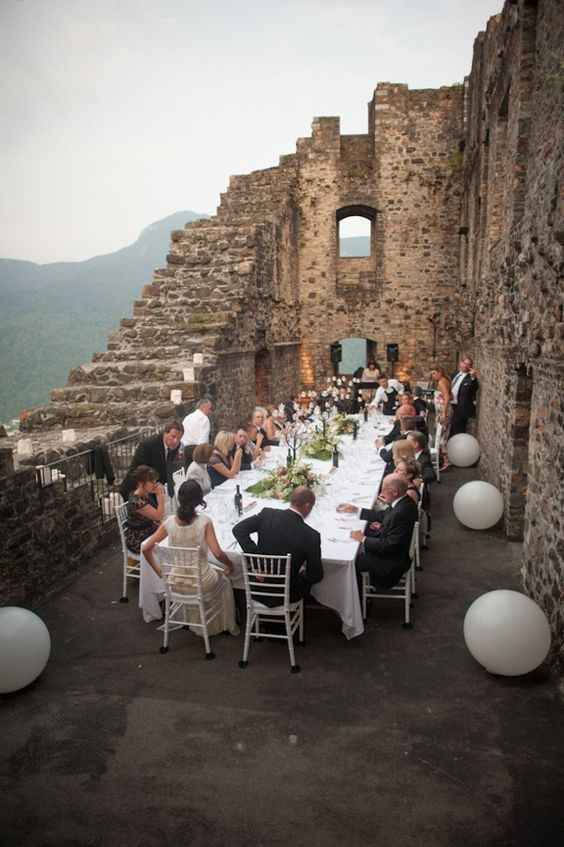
{"type": "Point", "coordinates": [397, 738]}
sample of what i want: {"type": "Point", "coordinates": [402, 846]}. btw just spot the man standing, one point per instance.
{"type": "Point", "coordinates": [463, 389]}
{"type": "Point", "coordinates": [159, 452]}
{"type": "Point", "coordinates": [385, 552]}
{"type": "Point", "coordinates": [282, 531]}
{"type": "Point", "coordinates": [196, 428]}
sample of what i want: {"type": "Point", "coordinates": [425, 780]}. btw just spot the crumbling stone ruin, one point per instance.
{"type": "Point", "coordinates": [463, 190]}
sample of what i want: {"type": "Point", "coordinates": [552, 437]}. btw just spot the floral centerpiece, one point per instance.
{"type": "Point", "coordinates": [321, 445]}
{"type": "Point", "coordinates": [279, 483]}
{"type": "Point", "coordinates": [343, 425]}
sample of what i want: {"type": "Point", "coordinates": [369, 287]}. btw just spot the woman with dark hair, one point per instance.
{"type": "Point", "coordinates": [189, 529]}
{"type": "Point", "coordinates": [142, 516]}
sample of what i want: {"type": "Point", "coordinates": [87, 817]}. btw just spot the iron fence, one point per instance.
{"type": "Point", "coordinates": [100, 470]}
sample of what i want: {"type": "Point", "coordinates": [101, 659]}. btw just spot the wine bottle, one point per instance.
{"type": "Point", "coordinates": [289, 459]}
{"type": "Point", "coordinates": [365, 412]}
{"type": "Point", "coordinates": [238, 502]}
{"type": "Point", "coordinates": [335, 457]}
{"type": "Point", "coordinates": [355, 430]}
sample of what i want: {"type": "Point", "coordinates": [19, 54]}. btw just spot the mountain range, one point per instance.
{"type": "Point", "coordinates": [55, 316]}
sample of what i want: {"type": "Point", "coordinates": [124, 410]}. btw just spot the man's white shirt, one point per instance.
{"type": "Point", "coordinates": [196, 428]}
{"type": "Point", "coordinates": [455, 386]}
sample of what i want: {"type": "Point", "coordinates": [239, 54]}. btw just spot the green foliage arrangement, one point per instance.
{"type": "Point", "coordinates": [279, 483]}
{"type": "Point", "coordinates": [321, 446]}
{"type": "Point", "coordinates": [342, 425]}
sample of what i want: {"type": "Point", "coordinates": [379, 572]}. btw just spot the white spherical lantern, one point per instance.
{"type": "Point", "coordinates": [478, 504]}
{"type": "Point", "coordinates": [463, 450]}
{"type": "Point", "coordinates": [25, 646]}
{"type": "Point", "coordinates": [507, 633]}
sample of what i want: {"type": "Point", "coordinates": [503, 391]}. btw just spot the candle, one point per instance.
{"type": "Point", "coordinates": [176, 396]}
{"type": "Point", "coordinates": [69, 436]}
{"type": "Point", "coordinates": [188, 374]}
{"type": "Point", "coordinates": [24, 447]}
{"type": "Point", "coordinates": [198, 358]}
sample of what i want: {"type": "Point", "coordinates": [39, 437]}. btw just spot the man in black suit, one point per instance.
{"type": "Point", "coordinates": [428, 475]}
{"type": "Point", "coordinates": [159, 452]}
{"type": "Point", "coordinates": [283, 531]}
{"type": "Point", "coordinates": [463, 388]}
{"type": "Point", "coordinates": [385, 552]}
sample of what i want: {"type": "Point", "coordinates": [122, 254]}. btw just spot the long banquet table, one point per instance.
{"type": "Point", "coordinates": [356, 480]}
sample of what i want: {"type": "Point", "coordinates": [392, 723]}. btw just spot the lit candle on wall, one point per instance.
{"type": "Point", "coordinates": [188, 374]}
{"type": "Point", "coordinates": [198, 358]}
{"type": "Point", "coordinates": [69, 436]}
{"type": "Point", "coordinates": [176, 396]}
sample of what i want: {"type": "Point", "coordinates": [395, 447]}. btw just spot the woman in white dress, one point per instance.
{"type": "Point", "coordinates": [189, 529]}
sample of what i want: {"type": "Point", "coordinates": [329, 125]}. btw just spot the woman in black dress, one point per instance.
{"type": "Point", "coordinates": [143, 517]}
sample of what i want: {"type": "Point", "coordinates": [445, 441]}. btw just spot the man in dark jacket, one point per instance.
{"type": "Point", "coordinates": [160, 452]}
{"type": "Point", "coordinates": [385, 552]}
{"type": "Point", "coordinates": [282, 531]}
{"type": "Point", "coordinates": [463, 389]}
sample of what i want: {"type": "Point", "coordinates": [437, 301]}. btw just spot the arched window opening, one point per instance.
{"type": "Point", "coordinates": [355, 237]}
{"type": "Point", "coordinates": [355, 231]}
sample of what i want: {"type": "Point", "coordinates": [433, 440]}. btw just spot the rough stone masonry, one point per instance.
{"type": "Point", "coordinates": [463, 190]}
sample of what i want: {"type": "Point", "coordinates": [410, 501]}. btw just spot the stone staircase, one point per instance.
{"type": "Point", "coordinates": [189, 309]}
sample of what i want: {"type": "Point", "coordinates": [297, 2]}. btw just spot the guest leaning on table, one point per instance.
{"type": "Point", "coordinates": [189, 529]}
{"type": "Point", "coordinates": [142, 517]}
{"type": "Point", "coordinates": [282, 531]}
{"type": "Point", "coordinates": [220, 466]}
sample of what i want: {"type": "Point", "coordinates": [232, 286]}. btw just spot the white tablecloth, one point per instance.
{"type": "Point", "coordinates": [356, 480]}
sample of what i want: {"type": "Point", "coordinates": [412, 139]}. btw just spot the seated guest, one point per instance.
{"type": "Point", "coordinates": [189, 529]}
{"type": "Point", "coordinates": [142, 517]}
{"type": "Point", "coordinates": [385, 553]}
{"type": "Point", "coordinates": [402, 425]}
{"type": "Point", "coordinates": [422, 455]}
{"type": "Point", "coordinates": [198, 468]}
{"type": "Point", "coordinates": [423, 459]}
{"type": "Point", "coordinates": [249, 451]}
{"type": "Point", "coordinates": [220, 465]}
{"type": "Point", "coordinates": [281, 531]}
{"type": "Point", "coordinates": [273, 425]}
{"type": "Point", "coordinates": [418, 401]}
{"type": "Point", "coordinates": [406, 403]}
{"type": "Point", "coordinates": [410, 470]}
{"type": "Point", "coordinates": [160, 452]}
{"type": "Point", "coordinates": [343, 402]}
{"type": "Point", "coordinates": [259, 419]}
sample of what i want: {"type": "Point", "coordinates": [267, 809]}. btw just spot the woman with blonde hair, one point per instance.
{"type": "Point", "coordinates": [443, 408]}
{"type": "Point", "coordinates": [220, 465]}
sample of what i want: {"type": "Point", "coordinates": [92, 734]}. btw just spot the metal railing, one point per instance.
{"type": "Point", "coordinates": [100, 470]}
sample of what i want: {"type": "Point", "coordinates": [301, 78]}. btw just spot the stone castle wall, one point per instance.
{"type": "Point", "coordinates": [463, 188]}
{"type": "Point", "coordinates": [512, 273]}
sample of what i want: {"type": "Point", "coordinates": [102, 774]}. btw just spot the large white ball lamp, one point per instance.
{"type": "Point", "coordinates": [463, 450]}
{"type": "Point", "coordinates": [507, 632]}
{"type": "Point", "coordinates": [478, 504]}
{"type": "Point", "coordinates": [25, 646]}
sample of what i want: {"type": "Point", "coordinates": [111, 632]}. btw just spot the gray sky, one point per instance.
{"type": "Point", "coordinates": [118, 112]}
